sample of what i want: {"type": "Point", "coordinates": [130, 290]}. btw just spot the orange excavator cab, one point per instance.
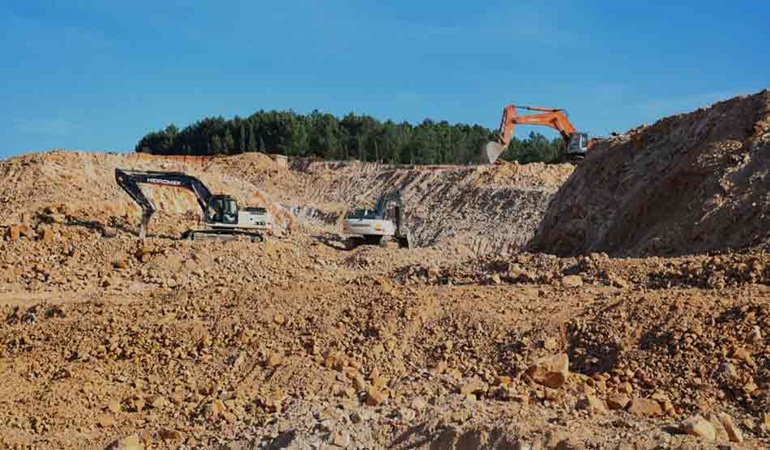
{"type": "Point", "coordinates": [576, 143]}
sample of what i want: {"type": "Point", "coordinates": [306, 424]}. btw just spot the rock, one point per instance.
{"type": "Point", "coordinates": [502, 380]}
{"type": "Point", "coordinates": [418, 404]}
{"type": "Point", "coordinates": [114, 407]}
{"type": "Point", "coordinates": [454, 373]}
{"type": "Point", "coordinates": [274, 402]}
{"type": "Point", "coordinates": [742, 354]}
{"type": "Point", "coordinates": [359, 383]}
{"type": "Point", "coordinates": [727, 370]}
{"type": "Point", "coordinates": [13, 233]}
{"type": "Point", "coordinates": [379, 382]}
{"type": "Point", "coordinates": [46, 235]}
{"type": "Point", "coordinates": [733, 432]}
{"type": "Point", "coordinates": [132, 442]}
{"type": "Point", "coordinates": [618, 282]}
{"type": "Point", "coordinates": [550, 344]}
{"type": "Point", "coordinates": [274, 360]}
{"type": "Point", "coordinates": [407, 415]}
{"type": "Point", "coordinates": [341, 439]}
{"type": "Point", "coordinates": [54, 217]}
{"type": "Point", "coordinates": [572, 281]}
{"type": "Point", "coordinates": [593, 404]}
{"type": "Point", "coordinates": [26, 231]}
{"type": "Point", "coordinates": [215, 409]}
{"type": "Point", "coordinates": [375, 397]}
{"type": "Point", "coordinates": [642, 407]}
{"type": "Point", "coordinates": [625, 388]}
{"type": "Point", "coordinates": [755, 335]}
{"type": "Point", "coordinates": [700, 427]}
{"type": "Point", "coordinates": [157, 401]}
{"type": "Point", "coordinates": [135, 404]}
{"type": "Point", "coordinates": [474, 386]}
{"type": "Point", "coordinates": [617, 401]}
{"type": "Point", "coordinates": [551, 371]}
{"type": "Point", "coordinates": [168, 434]}
{"type": "Point", "coordinates": [106, 421]}
{"type": "Point", "coordinates": [144, 253]}
{"type": "Point", "coordinates": [279, 319]}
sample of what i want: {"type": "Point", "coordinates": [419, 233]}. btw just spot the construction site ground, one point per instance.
{"type": "Point", "coordinates": [479, 338]}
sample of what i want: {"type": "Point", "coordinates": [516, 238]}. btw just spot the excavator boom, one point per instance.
{"type": "Point", "coordinates": [129, 181]}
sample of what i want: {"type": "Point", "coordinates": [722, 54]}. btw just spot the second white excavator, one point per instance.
{"type": "Point", "coordinates": [384, 225]}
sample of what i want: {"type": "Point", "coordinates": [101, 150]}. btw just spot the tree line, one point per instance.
{"type": "Point", "coordinates": [325, 136]}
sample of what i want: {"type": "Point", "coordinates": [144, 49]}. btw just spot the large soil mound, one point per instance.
{"type": "Point", "coordinates": [688, 184]}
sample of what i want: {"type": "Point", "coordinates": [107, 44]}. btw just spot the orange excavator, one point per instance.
{"type": "Point", "coordinates": [576, 143]}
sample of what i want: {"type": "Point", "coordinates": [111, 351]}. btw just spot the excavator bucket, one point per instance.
{"type": "Point", "coordinates": [491, 152]}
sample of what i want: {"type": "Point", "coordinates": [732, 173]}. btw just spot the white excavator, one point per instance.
{"type": "Point", "coordinates": [222, 218]}
{"type": "Point", "coordinates": [384, 225]}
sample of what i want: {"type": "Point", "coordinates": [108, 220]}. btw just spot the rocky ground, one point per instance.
{"type": "Point", "coordinates": [296, 343]}
{"type": "Point", "coordinates": [465, 342]}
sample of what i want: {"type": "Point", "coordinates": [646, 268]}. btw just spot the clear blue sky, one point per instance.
{"type": "Point", "coordinates": [98, 75]}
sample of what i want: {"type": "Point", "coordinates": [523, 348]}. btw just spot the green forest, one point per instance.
{"type": "Point", "coordinates": [358, 137]}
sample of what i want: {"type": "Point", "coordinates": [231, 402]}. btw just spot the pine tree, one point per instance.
{"type": "Point", "coordinates": [216, 145]}
{"type": "Point", "coordinates": [228, 143]}
{"type": "Point", "coordinates": [252, 146]}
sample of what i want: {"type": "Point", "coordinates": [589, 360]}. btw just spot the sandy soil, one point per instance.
{"type": "Point", "coordinates": [465, 342]}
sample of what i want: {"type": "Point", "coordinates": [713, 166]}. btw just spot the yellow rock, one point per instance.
{"type": "Point", "coordinates": [618, 401]}
{"type": "Point", "coordinates": [700, 427]}
{"type": "Point", "coordinates": [375, 397]}
{"type": "Point", "coordinates": [106, 421]}
{"type": "Point", "coordinates": [132, 442]}
{"type": "Point", "coordinates": [643, 407]}
{"type": "Point", "coordinates": [733, 432]}
{"type": "Point", "coordinates": [551, 371]}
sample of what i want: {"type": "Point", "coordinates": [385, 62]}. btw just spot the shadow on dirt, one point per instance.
{"type": "Point", "coordinates": [332, 240]}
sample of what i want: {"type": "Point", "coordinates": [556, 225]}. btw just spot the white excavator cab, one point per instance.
{"type": "Point", "coordinates": [577, 145]}
{"type": "Point", "coordinates": [222, 209]}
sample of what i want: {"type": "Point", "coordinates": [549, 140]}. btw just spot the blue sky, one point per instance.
{"type": "Point", "coordinates": [98, 75]}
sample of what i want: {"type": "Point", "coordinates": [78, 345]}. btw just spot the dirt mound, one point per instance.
{"type": "Point", "coordinates": [688, 184]}
{"type": "Point", "coordinates": [477, 209]}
